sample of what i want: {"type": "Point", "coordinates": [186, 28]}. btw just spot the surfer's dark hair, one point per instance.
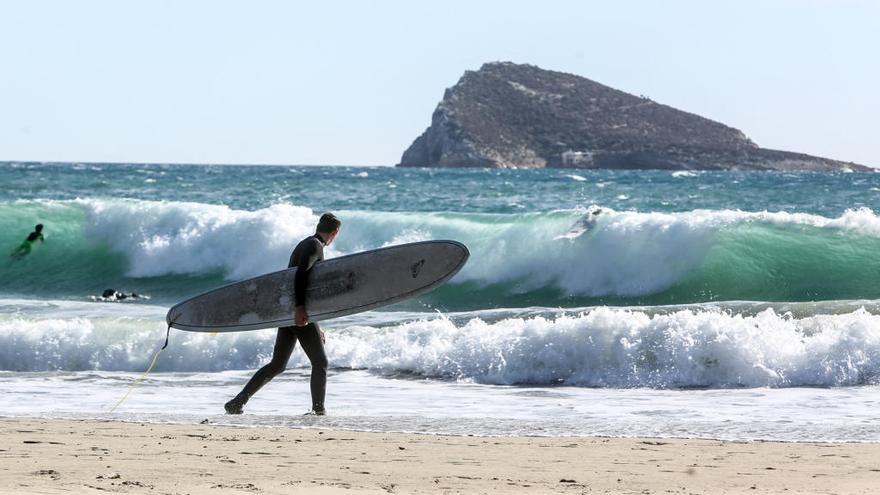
{"type": "Point", "coordinates": [328, 223]}
{"type": "Point", "coordinates": [38, 227]}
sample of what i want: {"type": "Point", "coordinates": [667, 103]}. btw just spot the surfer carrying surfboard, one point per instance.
{"type": "Point", "coordinates": [308, 252]}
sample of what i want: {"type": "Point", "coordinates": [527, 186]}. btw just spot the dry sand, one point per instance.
{"type": "Point", "coordinates": [60, 456]}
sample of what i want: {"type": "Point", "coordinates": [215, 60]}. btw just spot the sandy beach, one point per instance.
{"type": "Point", "coordinates": [64, 456]}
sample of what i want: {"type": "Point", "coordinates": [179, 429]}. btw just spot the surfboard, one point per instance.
{"type": "Point", "coordinates": [337, 287]}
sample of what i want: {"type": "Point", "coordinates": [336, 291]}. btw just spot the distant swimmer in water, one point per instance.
{"type": "Point", "coordinates": [114, 295]}
{"type": "Point", "coordinates": [584, 224]}
{"type": "Point", "coordinates": [25, 248]}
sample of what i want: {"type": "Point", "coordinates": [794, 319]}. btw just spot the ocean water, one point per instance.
{"type": "Point", "coordinates": [735, 305]}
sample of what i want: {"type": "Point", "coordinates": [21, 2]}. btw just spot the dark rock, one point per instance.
{"type": "Point", "coordinates": [507, 115]}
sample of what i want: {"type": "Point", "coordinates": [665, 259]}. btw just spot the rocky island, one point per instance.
{"type": "Point", "coordinates": [508, 115]}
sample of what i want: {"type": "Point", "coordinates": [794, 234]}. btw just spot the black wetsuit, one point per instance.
{"type": "Point", "coordinates": [308, 252]}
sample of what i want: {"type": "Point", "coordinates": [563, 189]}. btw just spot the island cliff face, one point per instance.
{"type": "Point", "coordinates": [508, 115]}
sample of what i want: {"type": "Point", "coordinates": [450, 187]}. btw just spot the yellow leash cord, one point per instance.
{"type": "Point", "coordinates": [140, 378]}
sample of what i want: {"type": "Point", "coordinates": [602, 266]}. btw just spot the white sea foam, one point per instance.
{"type": "Point", "coordinates": [121, 344]}
{"type": "Point", "coordinates": [161, 238]}
{"type": "Point", "coordinates": [607, 347]}
{"type": "Point", "coordinates": [604, 347]}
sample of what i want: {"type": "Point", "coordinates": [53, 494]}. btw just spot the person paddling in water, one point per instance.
{"type": "Point", "coordinates": [25, 248]}
{"type": "Point", "coordinates": [308, 252]}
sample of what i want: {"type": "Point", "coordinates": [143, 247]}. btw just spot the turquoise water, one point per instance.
{"type": "Point", "coordinates": [721, 305]}
{"type": "Point", "coordinates": [662, 238]}
{"type": "Point", "coordinates": [444, 190]}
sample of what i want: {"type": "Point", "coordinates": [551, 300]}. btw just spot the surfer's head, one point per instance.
{"type": "Point", "coordinates": [328, 227]}
{"type": "Point", "coordinates": [39, 227]}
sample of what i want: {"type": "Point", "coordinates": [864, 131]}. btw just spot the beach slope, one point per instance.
{"type": "Point", "coordinates": [63, 456]}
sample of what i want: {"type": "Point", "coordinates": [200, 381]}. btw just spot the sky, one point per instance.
{"type": "Point", "coordinates": [354, 82]}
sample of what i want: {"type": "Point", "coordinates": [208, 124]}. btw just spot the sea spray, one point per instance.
{"type": "Point", "coordinates": [618, 348]}
{"type": "Point", "coordinates": [603, 347]}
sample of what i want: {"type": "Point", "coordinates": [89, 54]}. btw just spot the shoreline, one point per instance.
{"type": "Point", "coordinates": [88, 456]}
{"type": "Point", "coordinates": [313, 424]}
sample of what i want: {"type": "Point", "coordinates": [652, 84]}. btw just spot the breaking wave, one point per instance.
{"type": "Point", "coordinates": [603, 347]}
{"type": "Point", "coordinates": [569, 257]}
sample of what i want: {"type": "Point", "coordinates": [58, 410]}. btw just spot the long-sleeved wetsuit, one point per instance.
{"type": "Point", "coordinates": [308, 252]}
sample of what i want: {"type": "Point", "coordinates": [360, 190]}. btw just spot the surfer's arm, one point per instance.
{"type": "Point", "coordinates": [301, 281]}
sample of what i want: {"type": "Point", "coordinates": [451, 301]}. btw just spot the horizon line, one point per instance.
{"type": "Point", "coordinates": [204, 164]}
{"type": "Point", "coordinates": [201, 164]}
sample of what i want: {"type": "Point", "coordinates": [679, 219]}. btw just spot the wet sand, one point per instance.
{"type": "Point", "coordinates": [63, 456]}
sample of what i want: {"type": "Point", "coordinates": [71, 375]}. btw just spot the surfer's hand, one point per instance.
{"type": "Point", "coordinates": [300, 317]}
{"type": "Point", "coordinates": [323, 339]}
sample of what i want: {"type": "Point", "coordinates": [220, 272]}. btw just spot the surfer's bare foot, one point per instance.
{"type": "Point", "coordinates": [234, 407]}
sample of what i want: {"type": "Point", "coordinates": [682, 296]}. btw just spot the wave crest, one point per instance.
{"type": "Point", "coordinates": [551, 258]}
{"type": "Point", "coordinates": [182, 238]}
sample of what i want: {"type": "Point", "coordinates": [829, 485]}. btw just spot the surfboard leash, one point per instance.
{"type": "Point", "coordinates": [150, 368]}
